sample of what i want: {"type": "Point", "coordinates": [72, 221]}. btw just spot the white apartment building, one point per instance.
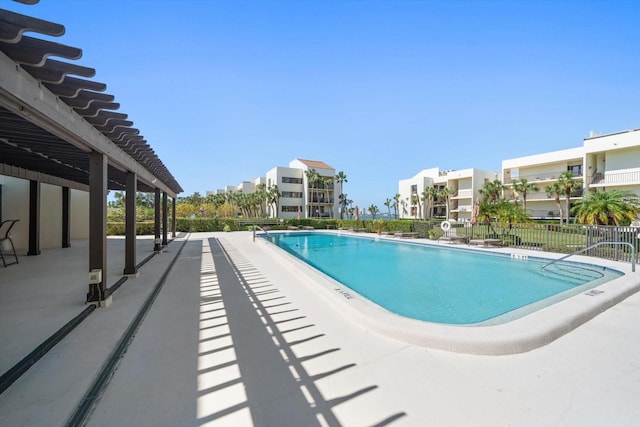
{"type": "Point", "coordinates": [604, 162]}
{"type": "Point", "coordinates": [300, 199]}
{"type": "Point", "coordinates": [245, 187]}
{"type": "Point", "coordinates": [464, 184]}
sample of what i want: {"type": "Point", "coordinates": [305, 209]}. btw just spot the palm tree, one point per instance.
{"type": "Point", "coordinates": [349, 203]}
{"type": "Point", "coordinates": [556, 191]}
{"type": "Point", "coordinates": [327, 182]}
{"type": "Point", "coordinates": [606, 208]}
{"type": "Point", "coordinates": [273, 197]}
{"type": "Point", "coordinates": [446, 194]}
{"type": "Point", "coordinates": [312, 178]}
{"type": "Point", "coordinates": [343, 202]}
{"type": "Point", "coordinates": [568, 185]}
{"type": "Point", "coordinates": [506, 211]}
{"type": "Point", "coordinates": [148, 200]}
{"type": "Point", "coordinates": [424, 197]}
{"type": "Point", "coordinates": [233, 199]}
{"type": "Point", "coordinates": [340, 178]}
{"type": "Point", "coordinates": [492, 190]}
{"type": "Point", "coordinates": [428, 196]}
{"type": "Point", "coordinates": [262, 194]}
{"type": "Point", "coordinates": [396, 204]}
{"type": "Point", "coordinates": [239, 202]}
{"type": "Point", "coordinates": [230, 197]}
{"type": "Point", "coordinates": [415, 200]}
{"type": "Point", "coordinates": [120, 200]}
{"type": "Point", "coordinates": [218, 200]}
{"type": "Point", "coordinates": [387, 203]}
{"type": "Point", "coordinates": [522, 186]}
{"type": "Point", "coordinates": [485, 211]}
{"type": "Point", "coordinates": [373, 210]}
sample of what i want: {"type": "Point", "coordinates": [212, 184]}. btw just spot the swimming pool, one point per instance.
{"type": "Point", "coordinates": [442, 285]}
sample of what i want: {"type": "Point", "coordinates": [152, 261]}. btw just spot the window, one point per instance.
{"type": "Point", "coordinates": [291, 208]}
{"type": "Point", "coordinates": [291, 180]}
{"type": "Point", "coordinates": [414, 189]}
{"type": "Point", "coordinates": [291, 194]}
{"type": "Point", "coordinates": [576, 170]}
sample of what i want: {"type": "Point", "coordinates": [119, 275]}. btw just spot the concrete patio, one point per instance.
{"type": "Point", "coordinates": [238, 336]}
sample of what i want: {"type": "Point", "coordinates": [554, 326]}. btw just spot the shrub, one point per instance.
{"type": "Point", "coordinates": [435, 233]}
{"type": "Point", "coordinates": [142, 228]}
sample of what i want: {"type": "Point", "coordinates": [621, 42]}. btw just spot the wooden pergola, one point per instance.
{"type": "Point", "coordinates": [58, 127]}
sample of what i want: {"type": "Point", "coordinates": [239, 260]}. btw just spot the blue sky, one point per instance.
{"type": "Point", "coordinates": [225, 90]}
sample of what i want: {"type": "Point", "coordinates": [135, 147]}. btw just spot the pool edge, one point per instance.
{"type": "Point", "coordinates": [520, 335]}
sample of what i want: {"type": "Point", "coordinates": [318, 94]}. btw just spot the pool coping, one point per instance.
{"type": "Point", "coordinates": [516, 336]}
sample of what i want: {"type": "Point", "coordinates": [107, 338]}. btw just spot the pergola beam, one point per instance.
{"type": "Point", "coordinates": [21, 94]}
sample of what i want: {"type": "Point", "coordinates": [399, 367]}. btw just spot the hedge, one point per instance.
{"type": "Point", "coordinates": [142, 228]}
{"type": "Point", "coordinates": [217, 224]}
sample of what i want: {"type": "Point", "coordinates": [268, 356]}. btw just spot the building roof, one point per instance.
{"type": "Point", "coordinates": [544, 158]}
{"type": "Point", "coordinates": [594, 135]}
{"type": "Point", "coordinates": [315, 164]}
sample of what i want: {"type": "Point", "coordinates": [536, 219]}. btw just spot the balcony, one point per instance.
{"type": "Point", "coordinates": [463, 208]}
{"type": "Point", "coordinates": [542, 177]}
{"type": "Point", "coordinates": [542, 214]}
{"type": "Point", "coordinates": [533, 196]}
{"type": "Point", "coordinates": [629, 177]}
{"type": "Point", "coordinates": [463, 194]}
{"type": "Point", "coordinates": [536, 195]}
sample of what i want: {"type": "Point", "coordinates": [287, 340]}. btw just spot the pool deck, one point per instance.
{"type": "Point", "coordinates": [242, 335]}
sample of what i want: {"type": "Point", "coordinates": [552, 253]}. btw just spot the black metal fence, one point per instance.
{"type": "Point", "coordinates": [555, 238]}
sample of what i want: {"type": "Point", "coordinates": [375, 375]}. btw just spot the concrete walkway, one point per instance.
{"type": "Point", "coordinates": [41, 293]}
{"type": "Point", "coordinates": [240, 337]}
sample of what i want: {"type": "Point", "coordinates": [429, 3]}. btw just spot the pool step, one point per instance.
{"type": "Point", "coordinates": [574, 274]}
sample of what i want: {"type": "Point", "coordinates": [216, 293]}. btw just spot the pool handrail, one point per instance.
{"type": "Point", "coordinates": [633, 253]}
{"type": "Point", "coordinates": [254, 231]}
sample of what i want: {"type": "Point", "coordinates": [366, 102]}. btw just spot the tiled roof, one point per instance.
{"type": "Point", "coordinates": [316, 164]}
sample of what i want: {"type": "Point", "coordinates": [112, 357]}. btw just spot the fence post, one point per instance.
{"type": "Point", "coordinates": [587, 235]}
{"type": "Point", "coordinates": [546, 236]}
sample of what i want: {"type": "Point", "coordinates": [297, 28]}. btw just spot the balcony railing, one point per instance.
{"type": "Point", "coordinates": [535, 195]}
{"type": "Point", "coordinates": [617, 178]}
{"type": "Point", "coordinates": [542, 195]}
{"type": "Point", "coordinates": [464, 194]}
{"type": "Point", "coordinates": [539, 177]}
{"type": "Point", "coordinates": [544, 213]}
{"type": "Point", "coordinates": [463, 208]}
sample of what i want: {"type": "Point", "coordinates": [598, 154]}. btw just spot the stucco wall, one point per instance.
{"type": "Point", "coordinates": [614, 141]}
{"type": "Point", "coordinates": [50, 216]}
{"type": "Point", "coordinates": [465, 184]}
{"type": "Point", "coordinates": [543, 171]}
{"type": "Point", "coordinates": [623, 159]}
{"type": "Point", "coordinates": [79, 214]}
{"type": "Point", "coordinates": [15, 205]}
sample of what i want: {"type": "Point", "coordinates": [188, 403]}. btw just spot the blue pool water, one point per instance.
{"type": "Point", "coordinates": [440, 285]}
